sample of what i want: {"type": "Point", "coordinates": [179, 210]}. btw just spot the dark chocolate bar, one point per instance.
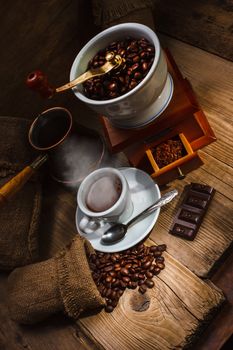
{"type": "Point", "coordinates": [192, 210]}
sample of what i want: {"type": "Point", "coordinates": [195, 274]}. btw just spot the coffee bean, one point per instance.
{"type": "Point", "coordinates": [156, 271]}
{"type": "Point", "coordinates": [123, 284]}
{"type": "Point", "coordinates": [108, 268]}
{"type": "Point", "coordinates": [149, 274]}
{"type": "Point", "coordinates": [107, 284]}
{"type": "Point", "coordinates": [128, 269]}
{"type": "Point", "coordinates": [146, 265]}
{"type": "Point", "coordinates": [109, 308]}
{"type": "Point", "coordinates": [132, 84]}
{"type": "Point", "coordinates": [129, 72]}
{"type": "Point", "coordinates": [112, 86]}
{"type": "Point", "coordinates": [140, 282]}
{"type": "Point", "coordinates": [162, 247]}
{"type": "Point", "coordinates": [136, 59]}
{"type": "Point", "coordinates": [161, 266]}
{"type": "Point", "coordinates": [150, 49]}
{"type": "Point", "coordinates": [112, 94]}
{"type": "Point", "coordinates": [108, 292]}
{"type": "Point", "coordinates": [157, 253]}
{"type": "Point", "coordinates": [160, 259]}
{"type": "Point", "coordinates": [144, 54]}
{"type": "Point", "coordinates": [103, 292]}
{"type": "Point", "coordinates": [116, 283]}
{"type": "Point", "coordinates": [124, 271]}
{"type": "Point", "coordinates": [123, 262]}
{"type": "Point", "coordinates": [135, 277]}
{"type": "Point", "coordinates": [135, 66]}
{"type": "Point", "coordinates": [108, 279]}
{"type": "Point", "coordinates": [137, 75]}
{"type": "Point", "coordinates": [112, 273]}
{"type": "Point", "coordinates": [128, 265]}
{"type": "Point", "coordinates": [144, 66]}
{"type": "Point", "coordinates": [125, 279]}
{"type": "Point", "coordinates": [153, 248]}
{"type": "Point", "coordinates": [113, 294]}
{"type": "Point", "coordinates": [120, 292]}
{"type": "Point", "coordinates": [134, 285]}
{"type": "Point", "coordinates": [122, 52]}
{"type": "Point", "coordinates": [142, 289]}
{"type": "Point", "coordinates": [149, 283]}
{"type": "Point", "coordinates": [117, 267]}
{"type": "Point", "coordinates": [114, 303]}
{"type": "Point", "coordinates": [141, 276]}
{"type": "Point", "coordinates": [138, 54]}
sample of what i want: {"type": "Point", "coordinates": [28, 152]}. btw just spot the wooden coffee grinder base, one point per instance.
{"type": "Point", "coordinates": [182, 118]}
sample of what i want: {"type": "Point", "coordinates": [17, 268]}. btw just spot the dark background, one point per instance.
{"type": "Point", "coordinates": [47, 35]}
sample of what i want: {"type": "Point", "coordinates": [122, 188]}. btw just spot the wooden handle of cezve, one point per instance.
{"type": "Point", "coordinates": [15, 184]}
{"type": "Point", "coordinates": [38, 82]}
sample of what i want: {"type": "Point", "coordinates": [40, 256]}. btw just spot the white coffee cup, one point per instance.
{"type": "Point", "coordinates": [120, 211]}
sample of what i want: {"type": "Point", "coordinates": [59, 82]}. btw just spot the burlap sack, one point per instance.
{"type": "Point", "coordinates": [19, 219]}
{"type": "Point", "coordinates": [63, 283]}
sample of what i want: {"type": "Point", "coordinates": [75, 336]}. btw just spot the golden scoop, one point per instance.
{"type": "Point", "coordinates": [38, 81]}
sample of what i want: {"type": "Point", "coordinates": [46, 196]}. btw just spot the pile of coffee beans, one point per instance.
{"type": "Point", "coordinates": [138, 54]}
{"type": "Point", "coordinates": [132, 268]}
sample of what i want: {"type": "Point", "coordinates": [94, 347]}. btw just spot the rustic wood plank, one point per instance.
{"type": "Point", "coordinates": [221, 150]}
{"type": "Point", "coordinates": [213, 88]}
{"type": "Point", "coordinates": [168, 316]}
{"type": "Point", "coordinates": [215, 235]}
{"type": "Point", "coordinates": [205, 24]}
{"type": "Point", "coordinates": [221, 326]}
{"type": "Point", "coordinates": [53, 44]}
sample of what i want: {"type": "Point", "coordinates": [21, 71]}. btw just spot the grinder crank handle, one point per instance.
{"type": "Point", "coordinates": [10, 188]}
{"type": "Point", "coordinates": [38, 81]}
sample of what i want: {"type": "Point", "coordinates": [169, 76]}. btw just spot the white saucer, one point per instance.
{"type": "Point", "coordinates": [153, 111]}
{"type": "Point", "coordinates": [144, 192]}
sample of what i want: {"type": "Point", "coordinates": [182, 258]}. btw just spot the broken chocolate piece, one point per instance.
{"type": "Point", "coordinates": [192, 210]}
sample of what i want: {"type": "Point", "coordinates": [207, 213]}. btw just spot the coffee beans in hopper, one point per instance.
{"type": "Point", "coordinates": [138, 54]}
{"type": "Point", "coordinates": [132, 268]}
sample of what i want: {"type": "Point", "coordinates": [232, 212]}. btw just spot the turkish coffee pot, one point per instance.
{"type": "Point", "coordinates": [72, 151]}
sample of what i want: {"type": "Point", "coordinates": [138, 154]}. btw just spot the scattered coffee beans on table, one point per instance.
{"type": "Point", "coordinates": [132, 268]}
{"type": "Point", "coordinates": [138, 54]}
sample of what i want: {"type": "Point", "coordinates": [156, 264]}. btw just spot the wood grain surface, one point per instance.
{"type": "Point", "coordinates": [169, 316]}
{"type": "Point", "coordinates": [206, 24]}
{"type": "Point", "coordinates": [47, 35]}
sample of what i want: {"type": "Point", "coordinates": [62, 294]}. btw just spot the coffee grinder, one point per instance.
{"type": "Point", "coordinates": [183, 118]}
{"type": "Point", "coordinates": [161, 108]}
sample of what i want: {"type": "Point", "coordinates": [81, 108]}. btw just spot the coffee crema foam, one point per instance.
{"type": "Point", "coordinates": [104, 193]}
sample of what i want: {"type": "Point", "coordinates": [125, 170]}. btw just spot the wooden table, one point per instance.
{"type": "Point", "coordinates": [170, 311]}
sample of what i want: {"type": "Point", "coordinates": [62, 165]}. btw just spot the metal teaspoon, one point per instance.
{"type": "Point", "coordinates": [118, 230]}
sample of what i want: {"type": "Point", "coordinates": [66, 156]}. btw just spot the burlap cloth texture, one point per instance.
{"type": "Point", "coordinates": [62, 283]}
{"type": "Point", "coordinates": [19, 218]}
